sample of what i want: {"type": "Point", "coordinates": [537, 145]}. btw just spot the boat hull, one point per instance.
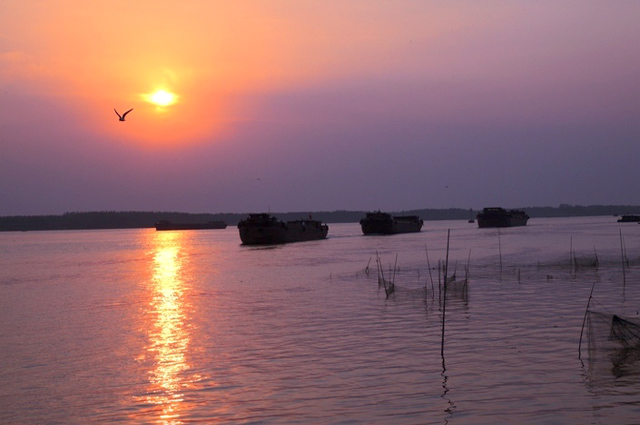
{"type": "Point", "coordinates": [385, 224]}
{"type": "Point", "coordinates": [499, 217]}
{"type": "Point", "coordinates": [629, 219]}
{"type": "Point", "coordinates": [261, 229]}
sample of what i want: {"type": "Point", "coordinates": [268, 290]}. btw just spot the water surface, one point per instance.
{"type": "Point", "coordinates": [190, 326]}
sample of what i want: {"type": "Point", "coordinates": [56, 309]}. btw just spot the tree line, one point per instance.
{"type": "Point", "coordinates": [144, 219]}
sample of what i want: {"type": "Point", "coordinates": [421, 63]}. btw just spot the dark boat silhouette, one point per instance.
{"type": "Point", "coordinates": [499, 217]}
{"type": "Point", "coordinates": [167, 225]}
{"type": "Point", "coordinates": [265, 229]}
{"type": "Point", "coordinates": [379, 223]}
{"type": "Point", "coordinates": [629, 218]}
{"type": "Point", "coordinates": [471, 220]}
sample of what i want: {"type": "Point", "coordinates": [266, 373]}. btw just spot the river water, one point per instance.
{"type": "Point", "coordinates": [139, 326]}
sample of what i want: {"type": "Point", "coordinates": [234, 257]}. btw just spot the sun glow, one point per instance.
{"type": "Point", "coordinates": [162, 98]}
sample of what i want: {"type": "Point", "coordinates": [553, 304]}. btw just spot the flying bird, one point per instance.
{"type": "Point", "coordinates": [123, 115]}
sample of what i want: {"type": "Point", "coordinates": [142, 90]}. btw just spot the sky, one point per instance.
{"type": "Point", "coordinates": [302, 105]}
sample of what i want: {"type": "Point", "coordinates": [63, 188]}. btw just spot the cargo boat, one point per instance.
{"type": "Point", "coordinates": [379, 223]}
{"type": "Point", "coordinates": [499, 217]}
{"type": "Point", "coordinates": [167, 225]}
{"type": "Point", "coordinates": [265, 229]}
{"type": "Point", "coordinates": [629, 218]}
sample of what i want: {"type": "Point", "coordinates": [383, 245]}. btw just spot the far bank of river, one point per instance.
{"type": "Point", "coordinates": [144, 219]}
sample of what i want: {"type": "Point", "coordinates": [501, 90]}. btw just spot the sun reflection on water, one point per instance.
{"type": "Point", "coordinates": [167, 328]}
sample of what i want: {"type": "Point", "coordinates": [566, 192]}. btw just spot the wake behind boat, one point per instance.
{"type": "Point", "coordinates": [385, 224]}
{"type": "Point", "coordinates": [167, 225]}
{"type": "Point", "coordinates": [499, 217]}
{"type": "Point", "coordinates": [265, 229]}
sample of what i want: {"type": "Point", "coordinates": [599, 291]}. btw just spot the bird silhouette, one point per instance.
{"type": "Point", "coordinates": [123, 115]}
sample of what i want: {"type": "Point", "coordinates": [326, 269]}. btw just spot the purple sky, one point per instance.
{"type": "Point", "coordinates": [308, 106]}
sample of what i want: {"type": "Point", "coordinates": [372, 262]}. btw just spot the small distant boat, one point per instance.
{"type": "Point", "coordinates": [499, 217]}
{"type": "Point", "coordinates": [385, 224]}
{"type": "Point", "coordinates": [265, 229]}
{"type": "Point", "coordinates": [629, 218]}
{"type": "Point", "coordinates": [167, 225]}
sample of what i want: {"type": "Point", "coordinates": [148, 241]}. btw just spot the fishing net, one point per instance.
{"type": "Point", "coordinates": [625, 332]}
{"type": "Point", "coordinates": [614, 347]}
{"type": "Point", "coordinates": [610, 332]}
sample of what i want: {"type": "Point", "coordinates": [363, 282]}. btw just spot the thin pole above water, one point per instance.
{"type": "Point", "coordinates": [499, 249]}
{"type": "Point", "coordinates": [584, 320]}
{"type": "Point", "coordinates": [444, 298]}
{"type": "Point", "coordinates": [624, 274]}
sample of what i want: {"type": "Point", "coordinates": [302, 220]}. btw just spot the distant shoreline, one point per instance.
{"type": "Point", "coordinates": [146, 219]}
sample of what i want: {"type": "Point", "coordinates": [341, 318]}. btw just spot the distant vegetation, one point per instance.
{"type": "Point", "coordinates": [138, 219]}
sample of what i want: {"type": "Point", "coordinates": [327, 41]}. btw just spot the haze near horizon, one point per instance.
{"type": "Point", "coordinates": [307, 106]}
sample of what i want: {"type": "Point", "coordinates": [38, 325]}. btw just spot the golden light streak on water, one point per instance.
{"type": "Point", "coordinates": [168, 331]}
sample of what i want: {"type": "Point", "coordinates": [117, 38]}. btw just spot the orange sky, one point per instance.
{"type": "Point", "coordinates": [315, 87]}
{"type": "Point", "coordinates": [102, 54]}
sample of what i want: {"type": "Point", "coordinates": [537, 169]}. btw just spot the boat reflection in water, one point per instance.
{"type": "Point", "coordinates": [166, 326]}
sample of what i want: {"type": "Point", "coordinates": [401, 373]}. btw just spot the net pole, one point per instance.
{"type": "Point", "coordinates": [584, 320]}
{"type": "Point", "coordinates": [624, 275]}
{"type": "Point", "coordinates": [444, 298]}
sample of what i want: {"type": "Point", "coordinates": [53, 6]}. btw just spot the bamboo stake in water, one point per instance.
{"type": "Point", "coordinates": [624, 249]}
{"type": "Point", "coordinates": [429, 266]}
{"type": "Point", "coordinates": [466, 276]}
{"type": "Point", "coordinates": [571, 255]}
{"type": "Point", "coordinates": [392, 285]}
{"type": "Point", "coordinates": [444, 298]}
{"type": "Point", "coordinates": [380, 271]}
{"type": "Point", "coordinates": [624, 275]}
{"type": "Point", "coordinates": [395, 266]}
{"type": "Point", "coordinates": [586, 311]}
{"type": "Point", "coordinates": [499, 249]}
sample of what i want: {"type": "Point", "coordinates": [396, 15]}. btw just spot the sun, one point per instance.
{"type": "Point", "coordinates": [162, 98]}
